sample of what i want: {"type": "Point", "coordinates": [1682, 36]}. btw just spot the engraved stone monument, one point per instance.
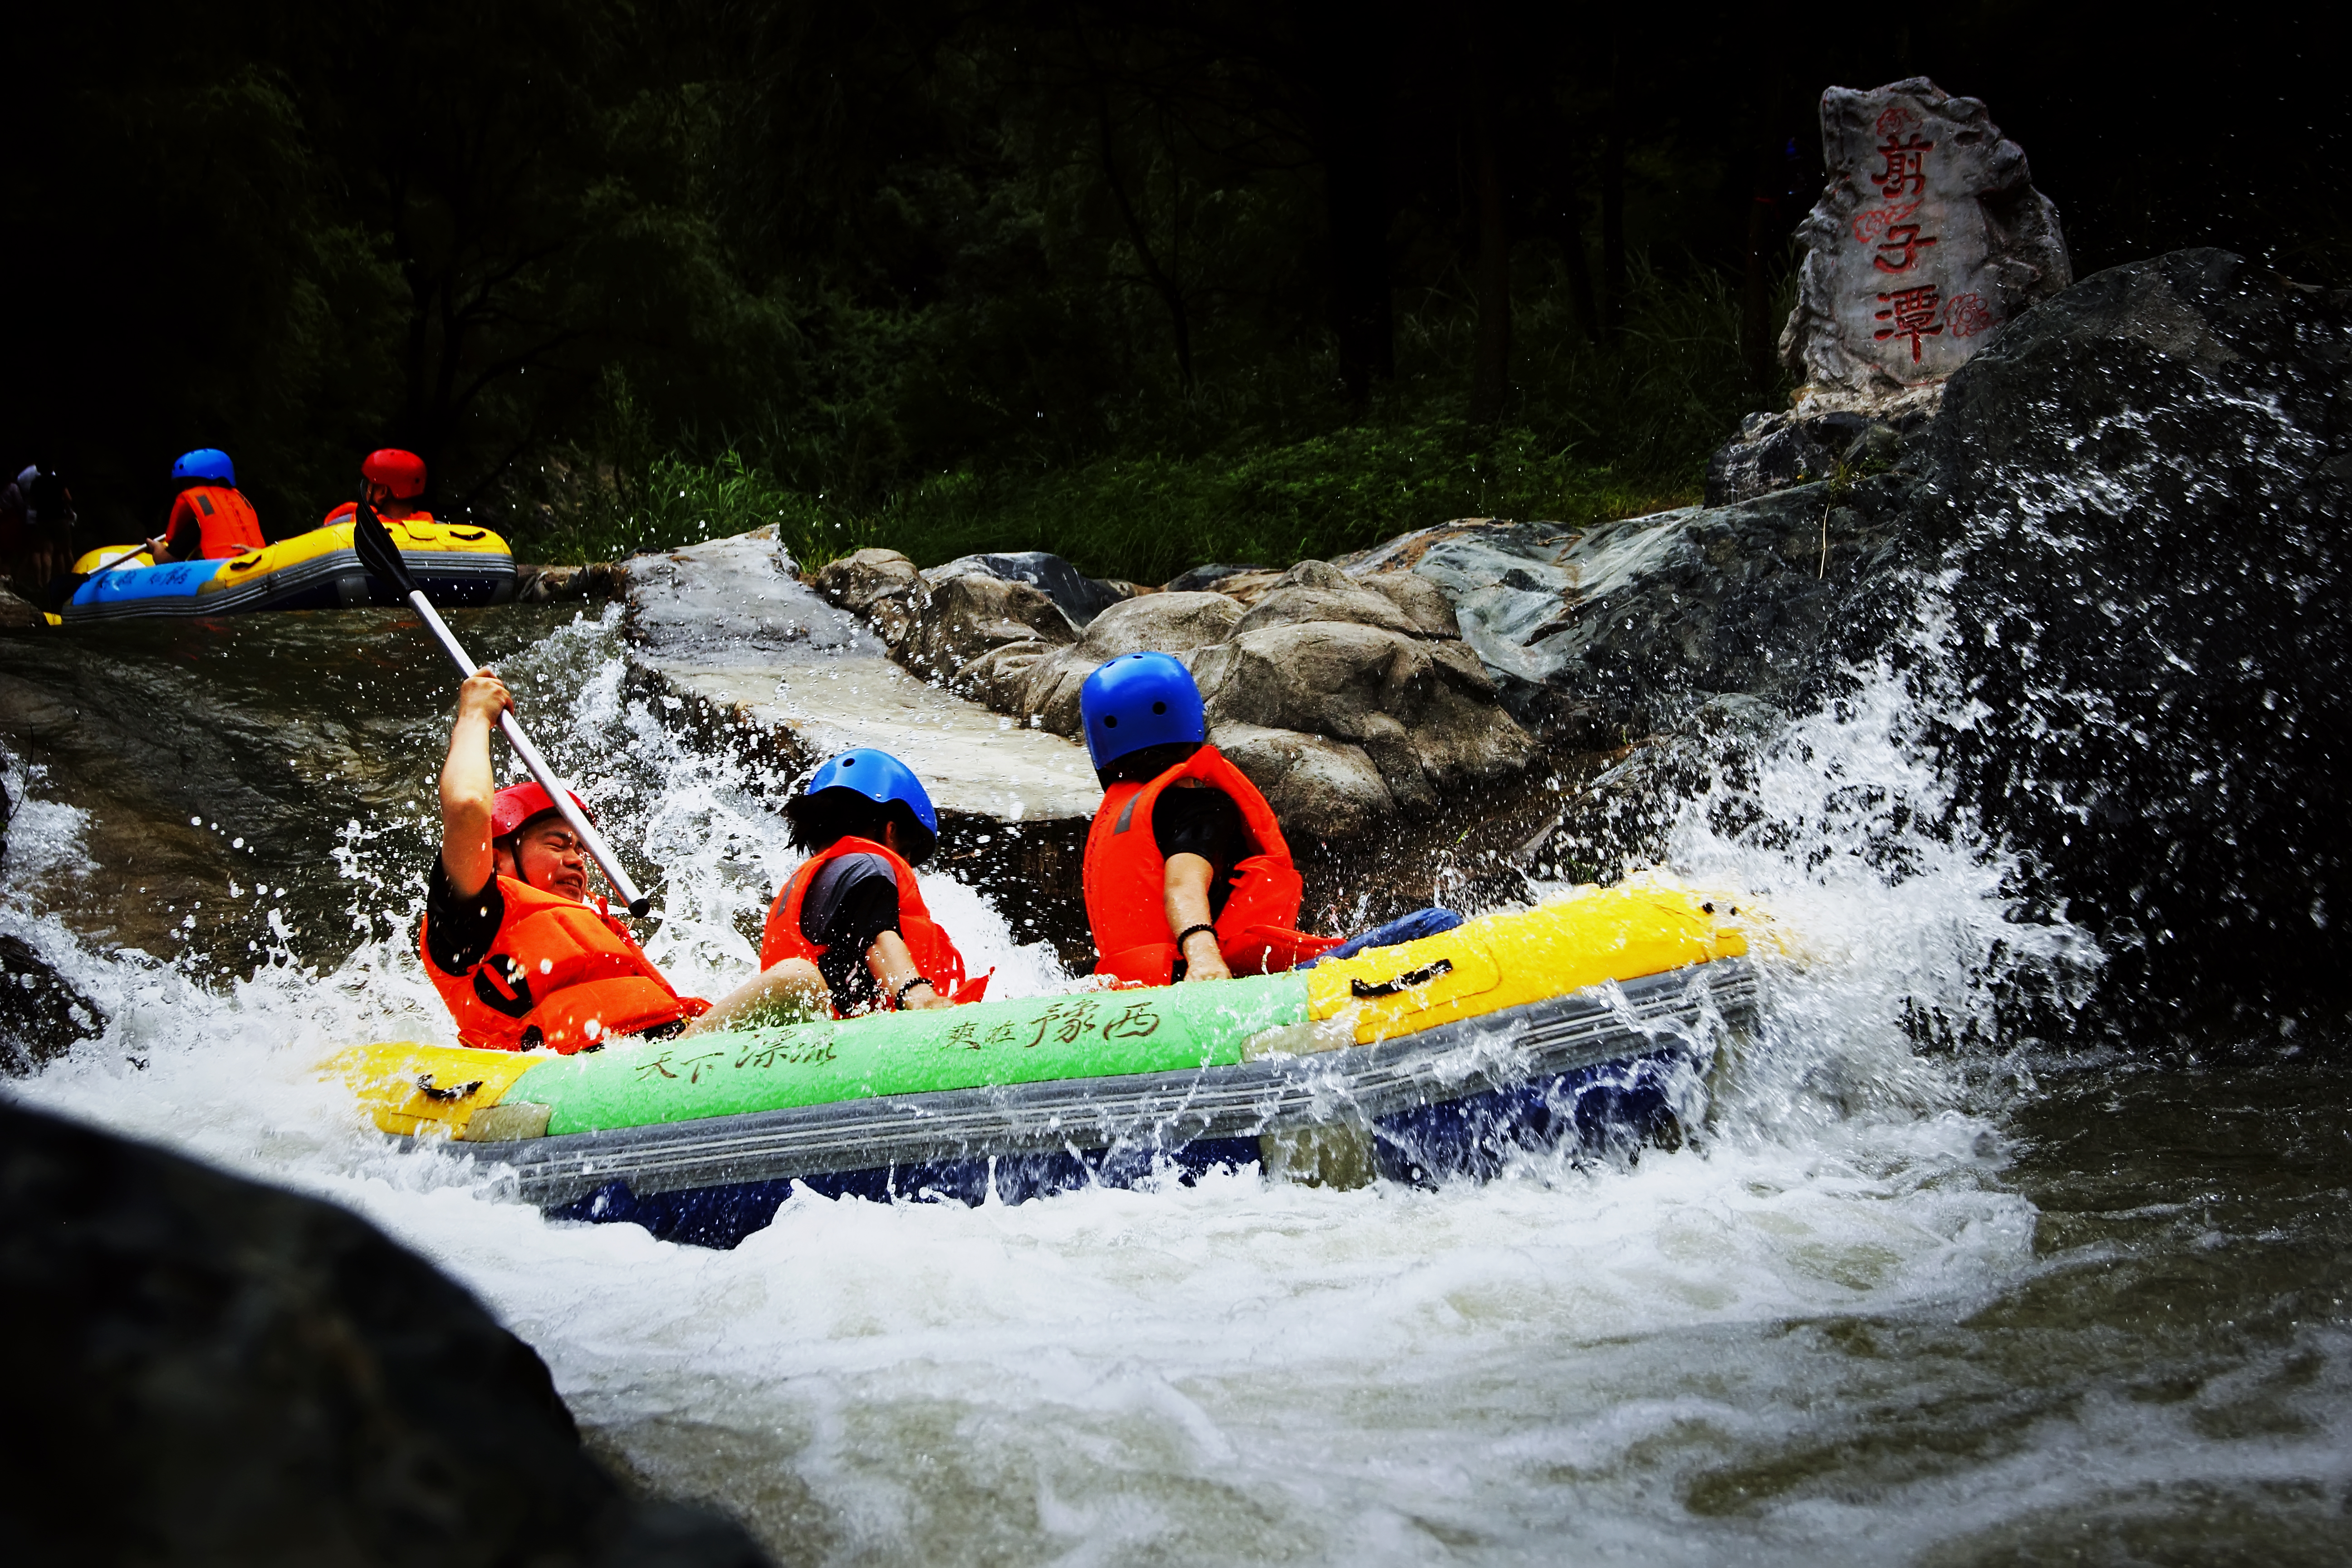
{"type": "Point", "coordinates": [1928, 236]}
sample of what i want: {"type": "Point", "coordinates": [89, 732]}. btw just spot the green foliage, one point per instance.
{"type": "Point", "coordinates": [1600, 432]}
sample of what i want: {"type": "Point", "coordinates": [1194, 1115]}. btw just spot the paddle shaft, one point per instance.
{"type": "Point", "coordinates": [574, 818]}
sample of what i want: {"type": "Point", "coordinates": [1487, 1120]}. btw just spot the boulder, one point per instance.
{"type": "Point", "coordinates": [1158, 623]}
{"type": "Point", "coordinates": [1080, 597]}
{"type": "Point", "coordinates": [1774, 451]}
{"type": "Point", "coordinates": [880, 585]}
{"type": "Point", "coordinates": [1423, 714]}
{"type": "Point", "coordinates": [1928, 237]}
{"type": "Point", "coordinates": [224, 1373]}
{"type": "Point", "coordinates": [42, 1014]}
{"type": "Point", "coordinates": [18, 613]}
{"type": "Point", "coordinates": [1617, 632]}
{"type": "Point", "coordinates": [544, 584]}
{"type": "Point", "coordinates": [1319, 591]}
{"type": "Point", "coordinates": [1204, 579]}
{"type": "Point", "coordinates": [1318, 787]}
{"type": "Point", "coordinates": [960, 620]}
{"type": "Point", "coordinates": [2136, 495]}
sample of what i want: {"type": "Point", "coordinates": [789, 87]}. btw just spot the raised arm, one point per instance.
{"type": "Point", "coordinates": [467, 784]}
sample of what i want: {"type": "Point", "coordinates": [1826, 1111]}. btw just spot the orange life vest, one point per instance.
{"type": "Point", "coordinates": [219, 516]}
{"type": "Point", "coordinates": [560, 973]}
{"type": "Point", "coordinates": [936, 958]}
{"type": "Point", "coordinates": [1125, 880]}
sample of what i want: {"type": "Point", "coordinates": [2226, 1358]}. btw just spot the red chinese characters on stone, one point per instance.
{"type": "Point", "coordinates": [1898, 119]}
{"type": "Point", "coordinates": [1905, 173]}
{"type": "Point", "coordinates": [1967, 315]}
{"type": "Point", "coordinates": [1913, 313]}
{"type": "Point", "coordinates": [1901, 248]}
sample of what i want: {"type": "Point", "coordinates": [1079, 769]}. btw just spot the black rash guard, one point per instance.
{"type": "Point", "coordinates": [850, 902]}
{"type": "Point", "coordinates": [1204, 821]}
{"type": "Point", "coordinates": [458, 932]}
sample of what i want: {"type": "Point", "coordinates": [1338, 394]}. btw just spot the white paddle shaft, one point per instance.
{"type": "Point", "coordinates": [546, 776]}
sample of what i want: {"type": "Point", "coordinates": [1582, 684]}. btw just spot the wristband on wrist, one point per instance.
{"type": "Point", "coordinates": [899, 996]}
{"type": "Point", "coordinates": [1188, 932]}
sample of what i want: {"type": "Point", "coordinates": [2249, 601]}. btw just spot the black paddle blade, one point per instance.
{"type": "Point", "coordinates": [378, 553]}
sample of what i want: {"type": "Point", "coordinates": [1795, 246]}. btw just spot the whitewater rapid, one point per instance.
{"type": "Point", "coordinates": [1577, 1363]}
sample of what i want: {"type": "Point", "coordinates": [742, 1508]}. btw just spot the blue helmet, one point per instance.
{"type": "Point", "coordinates": [1139, 699]}
{"type": "Point", "coordinates": [882, 779]}
{"type": "Point", "coordinates": [206, 463]}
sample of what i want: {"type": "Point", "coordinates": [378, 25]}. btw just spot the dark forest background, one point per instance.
{"type": "Point", "coordinates": [1151, 284]}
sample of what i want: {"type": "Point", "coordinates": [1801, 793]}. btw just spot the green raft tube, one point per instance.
{"type": "Point", "coordinates": [1589, 1019]}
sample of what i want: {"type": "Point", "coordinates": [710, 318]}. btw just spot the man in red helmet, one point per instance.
{"type": "Point", "coordinates": [394, 480]}
{"type": "Point", "coordinates": [510, 938]}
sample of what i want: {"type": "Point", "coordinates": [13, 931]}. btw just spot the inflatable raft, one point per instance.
{"type": "Point", "coordinates": [455, 565]}
{"type": "Point", "coordinates": [1588, 1020]}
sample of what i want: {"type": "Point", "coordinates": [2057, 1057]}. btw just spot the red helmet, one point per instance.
{"type": "Point", "coordinates": [512, 807]}
{"type": "Point", "coordinates": [401, 473]}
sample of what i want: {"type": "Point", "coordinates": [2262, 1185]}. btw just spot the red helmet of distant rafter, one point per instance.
{"type": "Point", "coordinates": [401, 473]}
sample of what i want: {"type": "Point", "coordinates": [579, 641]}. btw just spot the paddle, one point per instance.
{"type": "Point", "coordinates": [383, 559]}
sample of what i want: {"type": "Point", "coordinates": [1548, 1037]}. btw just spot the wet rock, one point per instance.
{"type": "Point", "coordinates": [1775, 451]}
{"type": "Point", "coordinates": [42, 1014]}
{"type": "Point", "coordinates": [2137, 494]}
{"type": "Point", "coordinates": [546, 585]}
{"type": "Point", "coordinates": [1165, 622]}
{"type": "Point", "coordinates": [1600, 637]}
{"type": "Point", "coordinates": [880, 585]}
{"type": "Point", "coordinates": [1204, 579]}
{"type": "Point", "coordinates": [1423, 714]}
{"type": "Point", "coordinates": [963, 619]}
{"type": "Point", "coordinates": [729, 630]}
{"type": "Point", "coordinates": [18, 614]}
{"type": "Point", "coordinates": [1318, 787]}
{"type": "Point", "coordinates": [1928, 237]}
{"type": "Point", "coordinates": [1080, 597]}
{"type": "Point", "coordinates": [1319, 591]}
{"type": "Point", "coordinates": [224, 1373]}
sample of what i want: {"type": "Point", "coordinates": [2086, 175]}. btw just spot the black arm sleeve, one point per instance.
{"type": "Point", "coordinates": [458, 932]}
{"type": "Point", "coordinates": [1203, 822]}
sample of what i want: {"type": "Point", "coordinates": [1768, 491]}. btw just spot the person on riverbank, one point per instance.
{"type": "Point", "coordinates": [210, 516]}
{"type": "Point", "coordinates": [852, 918]}
{"type": "Point", "coordinates": [509, 938]}
{"type": "Point", "coordinates": [36, 532]}
{"type": "Point", "coordinates": [1187, 876]}
{"type": "Point", "coordinates": [395, 480]}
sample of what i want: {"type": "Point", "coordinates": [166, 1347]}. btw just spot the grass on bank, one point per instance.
{"type": "Point", "coordinates": [1597, 432]}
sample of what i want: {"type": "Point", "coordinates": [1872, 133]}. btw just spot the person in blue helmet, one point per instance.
{"type": "Point", "coordinates": [854, 913]}
{"type": "Point", "coordinates": [210, 516]}
{"type": "Point", "coordinates": [1187, 876]}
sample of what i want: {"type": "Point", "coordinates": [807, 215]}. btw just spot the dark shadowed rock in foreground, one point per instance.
{"type": "Point", "coordinates": [2140, 491]}
{"type": "Point", "coordinates": [201, 1370]}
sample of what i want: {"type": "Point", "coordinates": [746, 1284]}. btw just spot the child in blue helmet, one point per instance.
{"type": "Point", "coordinates": [1187, 875]}
{"type": "Point", "coordinates": [852, 918]}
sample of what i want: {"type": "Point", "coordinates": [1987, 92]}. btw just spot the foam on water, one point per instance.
{"type": "Point", "coordinates": [1234, 1371]}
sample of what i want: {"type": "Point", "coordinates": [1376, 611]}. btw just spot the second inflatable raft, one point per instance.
{"type": "Point", "coordinates": [455, 565]}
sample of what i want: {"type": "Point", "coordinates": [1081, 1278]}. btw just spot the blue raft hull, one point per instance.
{"type": "Point", "coordinates": [1600, 1072]}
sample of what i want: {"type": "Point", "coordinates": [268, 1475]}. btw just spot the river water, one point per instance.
{"type": "Point", "coordinates": [1978, 1300]}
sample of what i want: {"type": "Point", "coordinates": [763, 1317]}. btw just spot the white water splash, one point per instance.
{"type": "Point", "coordinates": [1539, 1367]}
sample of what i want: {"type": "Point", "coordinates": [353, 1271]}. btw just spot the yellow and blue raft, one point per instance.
{"type": "Point", "coordinates": [455, 565]}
